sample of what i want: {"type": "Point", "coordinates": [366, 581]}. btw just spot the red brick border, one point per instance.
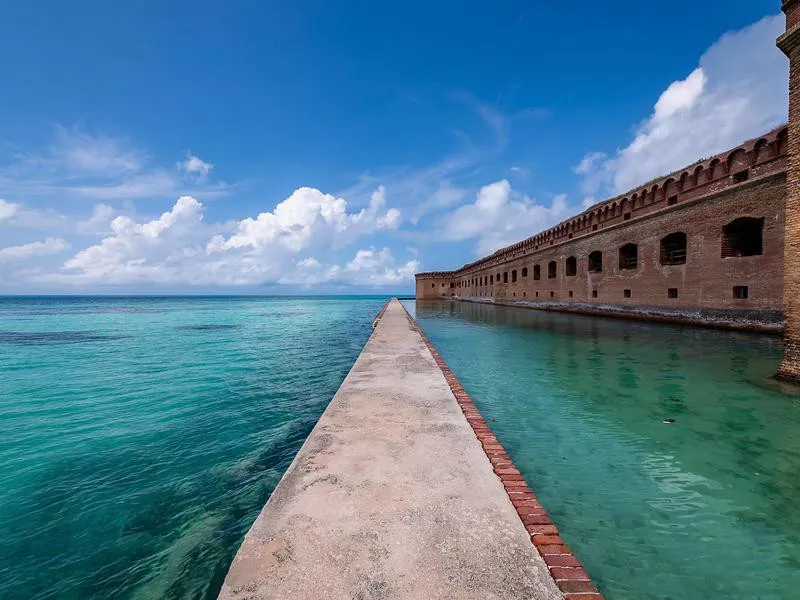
{"type": "Point", "coordinates": [565, 569]}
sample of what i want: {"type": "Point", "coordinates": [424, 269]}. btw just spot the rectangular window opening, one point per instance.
{"type": "Point", "coordinates": [741, 176]}
{"type": "Point", "coordinates": [594, 293]}
{"type": "Point", "coordinates": [626, 217]}
{"type": "Point", "coordinates": [570, 294]}
{"type": "Point", "coordinates": [672, 201]}
{"type": "Point", "coordinates": [672, 293]}
{"type": "Point", "coordinates": [740, 292]}
{"type": "Point", "coordinates": [626, 293]}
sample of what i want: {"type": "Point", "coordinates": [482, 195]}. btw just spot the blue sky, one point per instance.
{"type": "Point", "coordinates": [315, 147]}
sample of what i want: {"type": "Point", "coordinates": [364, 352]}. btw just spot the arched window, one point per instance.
{"type": "Point", "coordinates": [572, 266]}
{"type": "Point", "coordinates": [596, 262]}
{"type": "Point", "coordinates": [505, 276]}
{"type": "Point", "coordinates": [551, 269]}
{"type": "Point", "coordinates": [673, 249]}
{"type": "Point", "coordinates": [491, 279]}
{"type": "Point", "coordinates": [513, 275]}
{"type": "Point", "coordinates": [743, 237]}
{"type": "Point", "coordinates": [524, 272]}
{"type": "Point", "coordinates": [628, 257]}
{"type": "Point", "coordinates": [537, 272]}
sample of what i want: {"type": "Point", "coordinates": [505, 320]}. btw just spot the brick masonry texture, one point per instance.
{"type": "Point", "coordinates": [789, 42]}
{"type": "Point", "coordinates": [699, 201]}
{"type": "Point", "coordinates": [565, 569]}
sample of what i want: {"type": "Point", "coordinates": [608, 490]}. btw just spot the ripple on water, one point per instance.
{"type": "Point", "coordinates": [134, 469]}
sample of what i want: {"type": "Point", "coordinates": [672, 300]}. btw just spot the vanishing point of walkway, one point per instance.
{"type": "Point", "coordinates": [391, 496]}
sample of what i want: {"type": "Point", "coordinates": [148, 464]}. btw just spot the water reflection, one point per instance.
{"type": "Point", "coordinates": [665, 454]}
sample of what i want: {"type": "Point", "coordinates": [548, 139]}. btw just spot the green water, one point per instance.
{"type": "Point", "coordinates": [140, 437]}
{"type": "Point", "coordinates": [707, 507]}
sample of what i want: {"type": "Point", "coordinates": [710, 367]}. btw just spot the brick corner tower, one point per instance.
{"type": "Point", "coordinates": [789, 43]}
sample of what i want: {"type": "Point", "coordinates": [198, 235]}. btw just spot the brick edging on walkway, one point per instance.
{"type": "Point", "coordinates": [565, 569]}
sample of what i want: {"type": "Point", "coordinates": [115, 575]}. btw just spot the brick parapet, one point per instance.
{"type": "Point", "coordinates": [564, 567]}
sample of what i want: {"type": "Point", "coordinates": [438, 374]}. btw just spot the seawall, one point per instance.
{"type": "Point", "coordinates": [401, 491]}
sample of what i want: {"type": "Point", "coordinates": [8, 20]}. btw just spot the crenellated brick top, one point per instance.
{"type": "Point", "coordinates": [758, 157]}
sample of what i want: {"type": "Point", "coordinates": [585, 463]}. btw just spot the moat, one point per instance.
{"type": "Point", "coordinates": [666, 455]}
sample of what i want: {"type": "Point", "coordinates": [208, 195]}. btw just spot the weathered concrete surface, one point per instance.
{"type": "Point", "coordinates": [391, 496]}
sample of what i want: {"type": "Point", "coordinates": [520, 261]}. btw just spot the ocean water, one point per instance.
{"type": "Point", "coordinates": [703, 508]}
{"type": "Point", "coordinates": [140, 437]}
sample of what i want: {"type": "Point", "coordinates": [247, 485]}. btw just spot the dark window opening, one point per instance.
{"type": "Point", "coordinates": [673, 249]}
{"type": "Point", "coordinates": [626, 217]}
{"type": "Point", "coordinates": [629, 257]}
{"type": "Point", "coordinates": [491, 279]}
{"type": "Point", "coordinates": [433, 285]}
{"type": "Point", "coordinates": [596, 262]}
{"type": "Point", "coordinates": [537, 294]}
{"type": "Point", "coordinates": [524, 294]}
{"type": "Point", "coordinates": [741, 176]}
{"type": "Point", "coordinates": [570, 294]}
{"type": "Point", "coordinates": [551, 242]}
{"type": "Point", "coordinates": [552, 294]}
{"type": "Point", "coordinates": [594, 227]}
{"type": "Point", "coordinates": [524, 271]}
{"type": "Point", "coordinates": [537, 272]}
{"type": "Point", "coordinates": [672, 293]}
{"type": "Point", "coordinates": [594, 293]}
{"type": "Point", "coordinates": [513, 275]}
{"type": "Point", "coordinates": [672, 201]}
{"type": "Point", "coordinates": [570, 236]}
{"type": "Point", "coordinates": [626, 293]}
{"type": "Point", "coordinates": [743, 237]}
{"type": "Point", "coordinates": [740, 292]}
{"type": "Point", "coordinates": [572, 266]}
{"type": "Point", "coordinates": [551, 269]}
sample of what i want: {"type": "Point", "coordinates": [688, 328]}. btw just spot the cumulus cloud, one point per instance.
{"type": "Point", "coordinates": [738, 91]}
{"type": "Point", "coordinates": [193, 165]}
{"type": "Point", "coordinates": [33, 249]}
{"type": "Point", "coordinates": [500, 216]}
{"type": "Point", "coordinates": [179, 247]}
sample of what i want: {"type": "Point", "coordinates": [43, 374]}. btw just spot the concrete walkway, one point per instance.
{"type": "Point", "coordinates": [391, 496]}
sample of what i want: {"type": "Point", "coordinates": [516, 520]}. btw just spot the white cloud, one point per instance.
{"type": "Point", "coordinates": [499, 216]}
{"type": "Point", "coordinates": [179, 247]}
{"type": "Point", "coordinates": [369, 267]}
{"type": "Point", "coordinates": [738, 91]}
{"type": "Point", "coordinates": [34, 249]}
{"type": "Point", "coordinates": [83, 153]}
{"type": "Point", "coordinates": [100, 221]}
{"type": "Point", "coordinates": [100, 167]}
{"type": "Point", "coordinates": [7, 210]}
{"type": "Point", "coordinates": [193, 165]}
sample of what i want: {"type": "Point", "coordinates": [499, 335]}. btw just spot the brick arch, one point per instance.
{"type": "Point", "coordinates": [782, 140]}
{"type": "Point", "coordinates": [698, 174]}
{"type": "Point", "coordinates": [717, 168]}
{"type": "Point", "coordinates": [685, 182]}
{"type": "Point", "coordinates": [737, 161]}
{"type": "Point", "coordinates": [654, 193]}
{"type": "Point", "coordinates": [763, 150]}
{"type": "Point", "coordinates": [670, 188]}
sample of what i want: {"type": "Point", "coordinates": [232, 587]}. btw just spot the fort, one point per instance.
{"type": "Point", "coordinates": [703, 244]}
{"type": "Point", "coordinates": [716, 243]}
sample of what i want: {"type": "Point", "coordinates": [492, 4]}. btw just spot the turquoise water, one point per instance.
{"type": "Point", "coordinates": [705, 508]}
{"type": "Point", "coordinates": [142, 436]}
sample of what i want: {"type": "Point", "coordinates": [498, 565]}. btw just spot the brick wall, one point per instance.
{"type": "Point", "coordinates": [790, 44]}
{"type": "Point", "coordinates": [748, 181]}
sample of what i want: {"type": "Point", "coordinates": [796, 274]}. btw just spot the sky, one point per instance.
{"type": "Point", "coordinates": [315, 147]}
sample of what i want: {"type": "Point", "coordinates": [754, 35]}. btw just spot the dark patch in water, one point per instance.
{"type": "Point", "coordinates": [55, 337]}
{"type": "Point", "coordinates": [209, 327]}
